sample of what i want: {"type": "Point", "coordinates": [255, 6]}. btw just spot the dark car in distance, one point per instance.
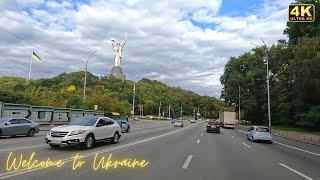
{"type": "Point", "coordinates": [125, 127]}
{"type": "Point", "coordinates": [213, 126]}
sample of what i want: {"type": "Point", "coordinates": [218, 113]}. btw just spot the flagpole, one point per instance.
{"type": "Point", "coordinates": [30, 68]}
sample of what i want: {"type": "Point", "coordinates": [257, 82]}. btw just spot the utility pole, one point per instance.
{"type": "Point", "coordinates": [181, 110]}
{"type": "Point", "coordinates": [85, 79]}
{"type": "Point", "coordinates": [239, 105]}
{"type": "Point", "coordinates": [159, 110]}
{"type": "Point", "coordinates": [140, 106]}
{"type": "Point", "coordinates": [268, 85]}
{"type": "Point", "coordinates": [169, 109]}
{"type": "Point", "coordinates": [205, 112]}
{"type": "Point", "coordinates": [133, 99]}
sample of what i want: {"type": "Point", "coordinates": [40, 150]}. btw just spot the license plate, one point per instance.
{"type": "Point", "coordinates": [213, 126]}
{"type": "Point", "coordinates": [55, 142]}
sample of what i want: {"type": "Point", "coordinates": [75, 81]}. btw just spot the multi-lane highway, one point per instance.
{"type": "Point", "coordinates": [172, 153]}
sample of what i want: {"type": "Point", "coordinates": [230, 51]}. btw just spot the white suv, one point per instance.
{"type": "Point", "coordinates": [84, 131]}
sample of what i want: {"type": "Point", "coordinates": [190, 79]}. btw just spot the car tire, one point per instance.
{"type": "Point", "coordinates": [88, 142]}
{"type": "Point", "coordinates": [31, 132]}
{"type": "Point", "coordinates": [54, 146]}
{"type": "Point", "coordinates": [218, 131]}
{"type": "Point", "coordinates": [115, 138]}
{"type": "Point", "coordinates": [208, 131]}
{"type": "Point", "coordinates": [0, 133]}
{"type": "Point", "coordinates": [128, 129]}
{"type": "Point", "coordinates": [253, 140]}
{"type": "Point", "coordinates": [248, 137]}
{"type": "Point", "coordinates": [270, 142]}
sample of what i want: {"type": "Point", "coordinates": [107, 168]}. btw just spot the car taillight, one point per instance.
{"type": "Point", "coordinates": [218, 125]}
{"type": "Point", "coordinates": [208, 125]}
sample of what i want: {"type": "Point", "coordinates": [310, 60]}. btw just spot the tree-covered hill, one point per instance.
{"type": "Point", "coordinates": [66, 90]}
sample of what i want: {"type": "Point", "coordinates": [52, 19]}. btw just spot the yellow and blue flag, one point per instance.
{"type": "Point", "coordinates": [35, 57]}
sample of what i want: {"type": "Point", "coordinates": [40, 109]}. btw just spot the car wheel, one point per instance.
{"type": "Point", "coordinates": [115, 138]}
{"type": "Point", "coordinates": [218, 131]}
{"type": "Point", "coordinates": [54, 146]}
{"type": "Point", "coordinates": [208, 131]}
{"type": "Point", "coordinates": [248, 137]}
{"type": "Point", "coordinates": [31, 132]}
{"type": "Point", "coordinates": [270, 142]}
{"type": "Point", "coordinates": [88, 142]}
{"type": "Point", "coordinates": [128, 129]}
{"type": "Point", "coordinates": [0, 133]}
{"type": "Point", "coordinates": [253, 139]}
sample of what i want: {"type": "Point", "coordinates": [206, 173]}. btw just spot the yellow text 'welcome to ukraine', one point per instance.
{"type": "Point", "coordinates": [15, 163]}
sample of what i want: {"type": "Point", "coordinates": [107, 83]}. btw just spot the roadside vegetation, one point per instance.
{"type": "Point", "coordinates": [294, 78]}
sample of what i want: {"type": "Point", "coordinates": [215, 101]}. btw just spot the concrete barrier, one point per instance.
{"type": "Point", "coordinates": [44, 115]}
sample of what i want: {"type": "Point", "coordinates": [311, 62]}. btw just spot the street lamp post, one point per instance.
{"type": "Point", "coordinates": [205, 112]}
{"type": "Point", "coordinates": [85, 78]}
{"type": "Point", "coordinates": [181, 109]}
{"type": "Point", "coordinates": [268, 86]}
{"type": "Point", "coordinates": [170, 108]}
{"type": "Point", "coordinates": [133, 99]}
{"type": "Point", "coordinates": [198, 110]}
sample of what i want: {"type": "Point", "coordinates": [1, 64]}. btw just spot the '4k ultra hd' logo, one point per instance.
{"type": "Point", "coordinates": [301, 13]}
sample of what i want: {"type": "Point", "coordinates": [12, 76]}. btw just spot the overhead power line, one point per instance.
{"type": "Point", "coordinates": [27, 65]}
{"type": "Point", "coordinates": [33, 44]}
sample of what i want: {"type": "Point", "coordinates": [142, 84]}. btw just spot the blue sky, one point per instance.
{"type": "Point", "coordinates": [233, 8]}
{"type": "Point", "coordinates": [164, 39]}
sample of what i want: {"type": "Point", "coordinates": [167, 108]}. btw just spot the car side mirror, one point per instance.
{"type": "Point", "coordinates": [7, 123]}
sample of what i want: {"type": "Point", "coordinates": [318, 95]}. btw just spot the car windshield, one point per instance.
{"type": "Point", "coordinates": [84, 121]}
{"type": "Point", "coordinates": [262, 129]}
{"type": "Point", "coordinates": [2, 120]}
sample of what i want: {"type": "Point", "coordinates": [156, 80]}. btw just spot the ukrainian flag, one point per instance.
{"type": "Point", "coordinates": [35, 57]}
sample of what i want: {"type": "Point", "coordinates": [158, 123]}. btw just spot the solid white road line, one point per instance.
{"type": "Point", "coordinates": [295, 171]}
{"type": "Point", "coordinates": [292, 147]}
{"type": "Point", "coordinates": [146, 127]}
{"type": "Point", "coordinates": [198, 141]}
{"type": "Point", "coordinates": [147, 130]}
{"type": "Point", "coordinates": [246, 144]}
{"type": "Point", "coordinates": [27, 147]}
{"type": "Point", "coordinates": [23, 171]}
{"type": "Point", "coordinates": [186, 164]}
{"type": "Point", "coordinates": [297, 148]}
{"type": "Point", "coordinates": [11, 149]}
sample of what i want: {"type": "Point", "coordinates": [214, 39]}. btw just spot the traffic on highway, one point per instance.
{"type": "Point", "coordinates": [159, 90]}
{"type": "Point", "coordinates": [153, 147]}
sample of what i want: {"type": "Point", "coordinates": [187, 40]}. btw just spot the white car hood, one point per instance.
{"type": "Point", "coordinates": [68, 128]}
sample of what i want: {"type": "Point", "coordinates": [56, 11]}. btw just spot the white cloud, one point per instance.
{"type": "Point", "coordinates": [162, 42]}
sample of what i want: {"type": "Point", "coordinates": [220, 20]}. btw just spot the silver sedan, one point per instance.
{"type": "Point", "coordinates": [18, 126]}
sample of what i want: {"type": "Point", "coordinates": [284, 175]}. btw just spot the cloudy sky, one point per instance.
{"type": "Point", "coordinates": [183, 43]}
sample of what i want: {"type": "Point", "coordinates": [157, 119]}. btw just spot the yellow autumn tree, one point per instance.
{"type": "Point", "coordinates": [71, 88]}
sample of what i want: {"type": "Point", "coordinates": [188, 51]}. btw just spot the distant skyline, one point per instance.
{"type": "Point", "coordinates": [183, 43]}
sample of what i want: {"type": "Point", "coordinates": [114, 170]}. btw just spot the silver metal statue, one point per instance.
{"type": "Point", "coordinates": [117, 50]}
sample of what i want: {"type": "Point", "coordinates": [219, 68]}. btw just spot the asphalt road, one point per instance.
{"type": "Point", "coordinates": [173, 153]}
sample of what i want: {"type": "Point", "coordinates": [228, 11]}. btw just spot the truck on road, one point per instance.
{"type": "Point", "coordinates": [227, 119]}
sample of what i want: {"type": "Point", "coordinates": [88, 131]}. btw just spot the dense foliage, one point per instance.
{"type": "Point", "coordinates": [66, 90]}
{"type": "Point", "coordinates": [294, 68]}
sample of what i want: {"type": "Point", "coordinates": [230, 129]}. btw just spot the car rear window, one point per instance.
{"type": "Point", "coordinates": [262, 130]}
{"type": "Point", "coordinates": [212, 123]}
